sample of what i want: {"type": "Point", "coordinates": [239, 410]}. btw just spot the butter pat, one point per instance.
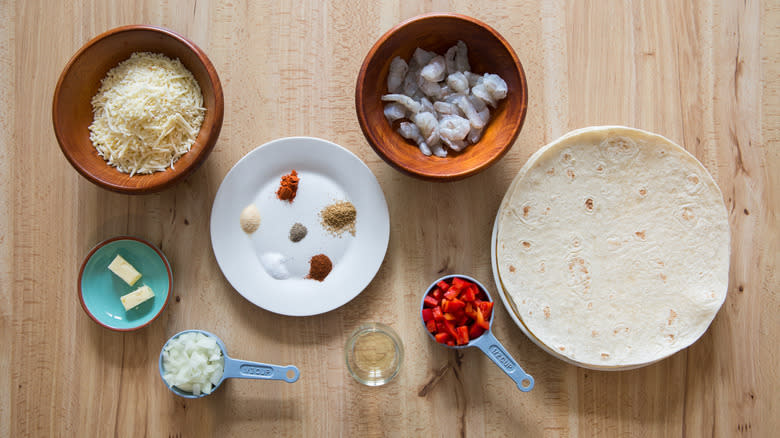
{"type": "Point", "coordinates": [124, 270]}
{"type": "Point", "coordinates": [137, 297]}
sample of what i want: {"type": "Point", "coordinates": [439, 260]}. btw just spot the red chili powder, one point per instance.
{"type": "Point", "coordinates": [288, 187]}
{"type": "Point", "coordinates": [319, 267]}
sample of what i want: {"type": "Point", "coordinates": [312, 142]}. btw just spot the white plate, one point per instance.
{"type": "Point", "coordinates": [328, 173]}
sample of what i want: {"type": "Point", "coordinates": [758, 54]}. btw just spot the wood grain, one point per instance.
{"type": "Point", "coordinates": [704, 74]}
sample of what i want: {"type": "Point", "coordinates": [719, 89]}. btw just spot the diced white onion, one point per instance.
{"type": "Point", "coordinates": [193, 362]}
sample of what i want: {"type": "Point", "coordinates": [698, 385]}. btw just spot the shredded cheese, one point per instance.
{"type": "Point", "coordinates": [147, 113]}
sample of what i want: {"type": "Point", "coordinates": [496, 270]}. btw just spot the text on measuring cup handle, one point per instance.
{"type": "Point", "coordinates": [254, 370]}
{"type": "Point", "coordinates": [501, 357]}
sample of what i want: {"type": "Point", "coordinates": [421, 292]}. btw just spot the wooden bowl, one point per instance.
{"type": "Point", "coordinates": [489, 52]}
{"type": "Point", "coordinates": [80, 81]}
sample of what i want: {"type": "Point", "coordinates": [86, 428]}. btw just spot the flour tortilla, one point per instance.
{"type": "Point", "coordinates": [612, 246]}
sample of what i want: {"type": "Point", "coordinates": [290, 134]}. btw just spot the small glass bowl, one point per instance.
{"type": "Point", "coordinates": [374, 354]}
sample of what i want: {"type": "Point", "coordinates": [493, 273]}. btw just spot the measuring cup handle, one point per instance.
{"type": "Point", "coordinates": [498, 354]}
{"type": "Point", "coordinates": [244, 369]}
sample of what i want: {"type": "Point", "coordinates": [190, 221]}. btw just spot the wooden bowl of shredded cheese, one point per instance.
{"type": "Point", "coordinates": [137, 109]}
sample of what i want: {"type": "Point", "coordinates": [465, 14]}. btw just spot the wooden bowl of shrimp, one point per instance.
{"type": "Point", "coordinates": [486, 53]}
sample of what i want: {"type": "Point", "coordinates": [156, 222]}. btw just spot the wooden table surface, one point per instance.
{"type": "Point", "coordinates": [705, 75]}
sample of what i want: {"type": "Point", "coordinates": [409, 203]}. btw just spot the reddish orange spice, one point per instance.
{"type": "Point", "coordinates": [319, 267]}
{"type": "Point", "coordinates": [288, 187]}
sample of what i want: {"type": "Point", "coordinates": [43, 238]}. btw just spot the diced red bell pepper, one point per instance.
{"type": "Point", "coordinates": [451, 294]}
{"type": "Point", "coordinates": [442, 337]}
{"type": "Point", "coordinates": [468, 294]}
{"type": "Point", "coordinates": [431, 326]}
{"type": "Point", "coordinates": [487, 308]}
{"type": "Point", "coordinates": [443, 285]}
{"type": "Point", "coordinates": [462, 335]}
{"type": "Point", "coordinates": [427, 315]}
{"type": "Point", "coordinates": [437, 293]}
{"type": "Point", "coordinates": [437, 314]}
{"type": "Point", "coordinates": [455, 306]}
{"type": "Point", "coordinates": [430, 301]}
{"type": "Point", "coordinates": [469, 311]}
{"type": "Point", "coordinates": [475, 331]}
{"type": "Point", "coordinates": [450, 329]}
{"type": "Point", "coordinates": [481, 320]}
{"type": "Point", "coordinates": [459, 282]}
{"type": "Point", "coordinates": [451, 343]}
{"type": "Point", "coordinates": [449, 317]}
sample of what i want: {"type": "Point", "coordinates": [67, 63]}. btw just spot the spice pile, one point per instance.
{"type": "Point", "coordinates": [339, 217]}
{"type": "Point", "coordinates": [319, 267]}
{"type": "Point", "coordinates": [250, 219]}
{"type": "Point", "coordinates": [298, 232]}
{"type": "Point", "coordinates": [288, 187]}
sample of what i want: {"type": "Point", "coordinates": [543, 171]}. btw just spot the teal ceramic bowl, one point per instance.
{"type": "Point", "coordinates": [100, 289]}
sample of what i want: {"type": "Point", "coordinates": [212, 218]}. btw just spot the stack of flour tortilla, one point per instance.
{"type": "Point", "coordinates": [612, 247]}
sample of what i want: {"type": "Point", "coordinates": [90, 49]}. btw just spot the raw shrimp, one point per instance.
{"type": "Point", "coordinates": [426, 122]}
{"type": "Point", "coordinates": [410, 131]}
{"type": "Point", "coordinates": [455, 145]}
{"type": "Point", "coordinates": [435, 70]}
{"type": "Point", "coordinates": [410, 80]}
{"type": "Point", "coordinates": [429, 128]}
{"type": "Point", "coordinates": [434, 139]}
{"type": "Point", "coordinates": [424, 148]}
{"type": "Point", "coordinates": [394, 111]}
{"type": "Point", "coordinates": [462, 57]}
{"type": "Point", "coordinates": [474, 135]}
{"type": "Point", "coordinates": [481, 91]}
{"type": "Point", "coordinates": [484, 116]}
{"type": "Point", "coordinates": [454, 128]}
{"type": "Point", "coordinates": [449, 60]}
{"type": "Point", "coordinates": [430, 89]}
{"type": "Point", "coordinates": [458, 82]}
{"type": "Point", "coordinates": [468, 109]}
{"type": "Point", "coordinates": [454, 98]}
{"type": "Point", "coordinates": [483, 112]}
{"type": "Point", "coordinates": [473, 78]}
{"type": "Point", "coordinates": [406, 101]}
{"type": "Point", "coordinates": [495, 86]}
{"type": "Point", "coordinates": [427, 106]}
{"type": "Point", "coordinates": [445, 108]}
{"type": "Point", "coordinates": [422, 57]}
{"type": "Point", "coordinates": [395, 76]}
{"type": "Point", "coordinates": [478, 103]}
{"type": "Point", "coordinates": [439, 150]}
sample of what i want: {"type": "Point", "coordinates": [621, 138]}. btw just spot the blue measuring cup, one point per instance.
{"type": "Point", "coordinates": [234, 368]}
{"type": "Point", "coordinates": [486, 342]}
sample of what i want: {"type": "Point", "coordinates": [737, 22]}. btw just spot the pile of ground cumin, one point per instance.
{"type": "Point", "coordinates": [339, 217]}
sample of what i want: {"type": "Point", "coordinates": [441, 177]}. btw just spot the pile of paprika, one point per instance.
{"type": "Point", "coordinates": [288, 187]}
{"type": "Point", "coordinates": [319, 267]}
